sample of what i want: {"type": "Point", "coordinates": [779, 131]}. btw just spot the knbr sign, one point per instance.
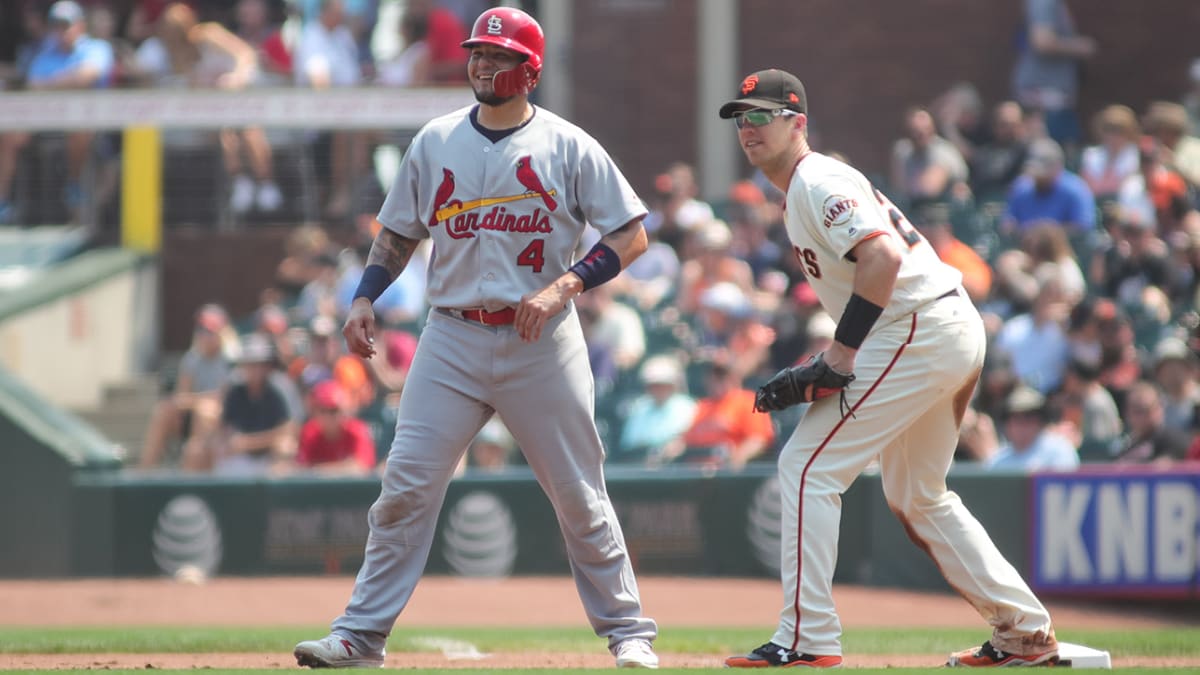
{"type": "Point", "coordinates": [1117, 533]}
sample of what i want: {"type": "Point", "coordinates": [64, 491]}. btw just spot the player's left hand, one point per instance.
{"type": "Point", "coordinates": [537, 308]}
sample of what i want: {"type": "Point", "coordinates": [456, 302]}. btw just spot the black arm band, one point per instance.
{"type": "Point", "coordinates": [375, 280]}
{"type": "Point", "coordinates": [858, 318]}
{"type": "Point", "coordinates": [601, 264]}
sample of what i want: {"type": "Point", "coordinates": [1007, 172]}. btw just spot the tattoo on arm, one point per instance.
{"type": "Point", "coordinates": [628, 241]}
{"type": "Point", "coordinates": [391, 251]}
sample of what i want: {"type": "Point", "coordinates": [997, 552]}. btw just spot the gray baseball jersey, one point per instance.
{"type": "Point", "coordinates": [506, 218]}
{"type": "Point", "coordinates": [506, 215]}
{"type": "Point", "coordinates": [915, 374]}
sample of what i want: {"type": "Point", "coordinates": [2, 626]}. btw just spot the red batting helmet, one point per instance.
{"type": "Point", "coordinates": [515, 30]}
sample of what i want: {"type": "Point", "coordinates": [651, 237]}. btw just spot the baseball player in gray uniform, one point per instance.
{"type": "Point", "coordinates": [505, 190]}
{"type": "Point", "coordinates": [894, 385]}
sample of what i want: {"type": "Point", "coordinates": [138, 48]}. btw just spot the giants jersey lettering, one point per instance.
{"type": "Point", "coordinates": [831, 207]}
{"type": "Point", "coordinates": [506, 217]}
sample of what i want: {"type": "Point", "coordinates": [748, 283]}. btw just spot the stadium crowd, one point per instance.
{"type": "Point", "coordinates": [1080, 244]}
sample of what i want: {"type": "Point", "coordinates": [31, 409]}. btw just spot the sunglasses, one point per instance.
{"type": "Point", "coordinates": [759, 117]}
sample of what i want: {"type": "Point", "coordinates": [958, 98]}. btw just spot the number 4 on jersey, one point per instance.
{"type": "Point", "coordinates": [534, 255]}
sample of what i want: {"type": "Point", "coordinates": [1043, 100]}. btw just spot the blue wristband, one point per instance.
{"type": "Point", "coordinates": [375, 280]}
{"type": "Point", "coordinates": [601, 264]}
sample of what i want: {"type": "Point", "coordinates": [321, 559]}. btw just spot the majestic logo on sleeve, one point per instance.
{"type": "Point", "coordinates": [838, 210]}
{"type": "Point", "coordinates": [463, 218]}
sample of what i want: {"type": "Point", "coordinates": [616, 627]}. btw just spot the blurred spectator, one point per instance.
{"type": "Point", "coordinates": [34, 34]}
{"type": "Point", "coordinates": [726, 431]}
{"type": "Point", "coordinates": [444, 34]}
{"type": "Point", "coordinates": [998, 162]}
{"type": "Point", "coordinates": [925, 166]}
{"type": "Point", "coordinates": [1029, 445]}
{"type": "Point", "coordinates": [1106, 165]}
{"type": "Point", "coordinates": [303, 251]}
{"type": "Point", "coordinates": [257, 432]}
{"type": "Point", "coordinates": [186, 53]}
{"type": "Point", "coordinates": [1169, 125]}
{"type": "Point", "coordinates": [713, 263]}
{"type": "Point", "coordinates": [332, 442]}
{"type": "Point", "coordinates": [193, 409]}
{"type": "Point", "coordinates": [492, 448]}
{"type": "Point", "coordinates": [142, 18]}
{"type": "Point", "coordinates": [657, 418]}
{"type": "Point", "coordinates": [398, 348]}
{"type": "Point", "coordinates": [1175, 373]}
{"type": "Point", "coordinates": [819, 331]}
{"type": "Point", "coordinates": [256, 27]}
{"type": "Point", "coordinates": [68, 59]}
{"type": "Point", "coordinates": [327, 56]}
{"type": "Point", "coordinates": [1046, 75]}
{"type": "Point", "coordinates": [1120, 365]}
{"type": "Point", "coordinates": [933, 222]}
{"type": "Point", "coordinates": [1135, 259]}
{"type": "Point", "coordinates": [1149, 439]}
{"type": "Point", "coordinates": [1045, 253]}
{"type": "Point", "coordinates": [1037, 341]}
{"type": "Point", "coordinates": [1088, 407]}
{"type": "Point", "coordinates": [652, 277]}
{"type": "Point", "coordinates": [1191, 98]}
{"type": "Point", "coordinates": [614, 325]}
{"type": "Point", "coordinates": [997, 381]}
{"type": "Point", "coordinates": [1155, 195]}
{"type": "Point", "coordinates": [1048, 192]}
{"type": "Point", "coordinates": [412, 67]}
{"type": "Point", "coordinates": [675, 210]}
{"type": "Point", "coordinates": [751, 218]}
{"type": "Point", "coordinates": [271, 320]}
{"type": "Point", "coordinates": [790, 323]}
{"type": "Point", "coordinates": [327, 360]}
{"type": "Point", "coordinates": [729, 328]}
{"type": "Point", "coordinates": [319, 297]}
{"type": "Point", "coordinates": [404, 299]}
{"type": "Point", "coordinates": [960, 118]}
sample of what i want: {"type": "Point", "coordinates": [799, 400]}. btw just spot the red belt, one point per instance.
{"type": "Point", "coordinates": [503, 317]}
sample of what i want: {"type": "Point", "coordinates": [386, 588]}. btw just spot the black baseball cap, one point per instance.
{"type": "Point", "coordinates": [770, 89]}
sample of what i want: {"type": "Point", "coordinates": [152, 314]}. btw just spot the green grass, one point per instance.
{"type": "Point", "coordinates": [1160, 642]}
{"type": "Point", "coordinates": [166, 639]}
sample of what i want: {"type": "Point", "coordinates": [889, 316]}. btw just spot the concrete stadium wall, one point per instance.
{"type": "Point", "coordinates": [81, 325]}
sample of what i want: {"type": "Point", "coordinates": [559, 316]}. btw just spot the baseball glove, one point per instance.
{"type": "Point", "coordinates": [811, 380]}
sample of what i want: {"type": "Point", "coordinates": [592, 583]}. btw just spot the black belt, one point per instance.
{"type": "Point", "coordinates": [948, 294]}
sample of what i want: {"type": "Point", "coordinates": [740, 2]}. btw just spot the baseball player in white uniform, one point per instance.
{"type": "Point", "coordinates": [505, 190]}
{"type": "Point", "coordinates": [908, 348]}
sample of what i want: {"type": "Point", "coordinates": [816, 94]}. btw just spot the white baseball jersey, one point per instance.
{"type": "Point", "coordinates": [915, 374]}
{"type": "Point", "coordinates": [511, 228]}
{"type": "Point", "coordinates": [831, 207]}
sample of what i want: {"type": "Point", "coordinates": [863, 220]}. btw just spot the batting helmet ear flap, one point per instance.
{"type": "Point", "coordinates": [515, 81]}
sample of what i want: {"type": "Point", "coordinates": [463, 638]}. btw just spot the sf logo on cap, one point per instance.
{"type": "Point", "coordinates": [493, 25]}
{"type": "Point", "coordinates": [749, 84]}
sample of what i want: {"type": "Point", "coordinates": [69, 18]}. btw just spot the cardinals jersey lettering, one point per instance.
{"type": "Point", "coordinates": [831, 207]}
{"type": "Point", "coordinates": [505, 217]}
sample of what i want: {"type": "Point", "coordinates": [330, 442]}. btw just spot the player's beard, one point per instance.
{"type": "Point", "coordinates": [492, 98]}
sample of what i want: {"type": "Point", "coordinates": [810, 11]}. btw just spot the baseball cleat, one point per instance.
{"type": "Point", "coordinates": [635, 653]}
{"type": "Point", "coordinates": [988, 656]}
{"type": "Point", "coordinates": [772, 655]}
{"type": "Point", "coordinates": [334, 651]}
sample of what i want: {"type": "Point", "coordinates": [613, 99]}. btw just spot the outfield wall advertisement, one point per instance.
{"type": "Point", "coordinates": [1125, 532]}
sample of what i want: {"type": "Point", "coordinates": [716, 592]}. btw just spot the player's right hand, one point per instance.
{"type": "Point", "coordinates": [359, 330]}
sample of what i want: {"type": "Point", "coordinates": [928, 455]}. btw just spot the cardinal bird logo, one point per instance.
{"type": "Point", "coordinates": [530, 180]}
{"type": "Point", "coordinates": [442, 196]}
